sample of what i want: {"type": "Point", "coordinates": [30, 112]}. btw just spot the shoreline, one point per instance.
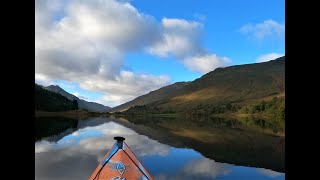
{"type": "Point", "coordinates": [79, 114]}
{"type": "Point", "coordinates": [82, 114]}
{"type": "Point", "coordinates": [237, 115]}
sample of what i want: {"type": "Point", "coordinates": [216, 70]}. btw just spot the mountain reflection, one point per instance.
{"type": "Point", "coordinates": [75, 153]}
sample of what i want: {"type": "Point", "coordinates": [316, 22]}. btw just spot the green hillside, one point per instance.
{"type": "Point", "coordinates": [153, 96]}
{"type": "Point", "coordinates": [53, 102]}
{"type": "Point", "coordinates": [238, 85]}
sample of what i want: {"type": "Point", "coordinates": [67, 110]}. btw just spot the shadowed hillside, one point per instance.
{"type": "Point", "coordinates": [49, 101]}
{"type": "Point", "coordinates": [90, 106]}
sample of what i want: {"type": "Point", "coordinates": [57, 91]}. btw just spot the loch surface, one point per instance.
{"type": "Point", "coordinates": [169, 147]}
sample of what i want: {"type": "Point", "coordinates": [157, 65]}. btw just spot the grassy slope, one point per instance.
{"type": "Point", "coordinates": [153, 96]}
{"type": "Point", "coordinates": [241, 84]}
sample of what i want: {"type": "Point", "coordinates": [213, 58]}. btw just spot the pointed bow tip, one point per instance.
{"type": "Point", "coordinates": [119, 138]}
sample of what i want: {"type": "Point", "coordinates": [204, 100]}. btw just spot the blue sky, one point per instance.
{"type": "Point", "coordinates": [113, 51]}
{"type": "Point", "coordinates": [222, 21]}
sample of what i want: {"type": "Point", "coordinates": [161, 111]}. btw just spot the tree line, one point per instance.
{"type": "Point", "coordinates": [53, 102]}
{"type": "Point", "coordinates": [275, 108]}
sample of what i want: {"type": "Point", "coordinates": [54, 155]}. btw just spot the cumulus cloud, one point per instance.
{"type": "Point", "coordinates": [43, 79]}
{"type": "Point", "coordinates": [206, 63]}
{"type": "Point", "coordinates": [268, 57]}
{"type": "Point", "coordinates": [266, 29]}
{"type": "Point", "coordinates": [115, 99]}
{"type": "Point", "coordinates": [184, 40]}
{"type": "Point", "coordinates": [124, 87]}
{"type": "Point", "coordinates": [125, 83]}
{"type": "Point", "coordinates": [90, 38]}
{"type": "Point", "coordinates": [180, 38]}
{"type": "Point", "coordinates": [86, 41]}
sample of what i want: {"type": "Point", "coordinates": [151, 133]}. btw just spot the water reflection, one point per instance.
{"type": "Point", "coordinates": [49, 126]}
{"type": "Point", "coordinates": [75, 155]}
{"type": "Point", "coordinates": [224, 140]}
{"type": "Point", "coordinates": [269, 173]}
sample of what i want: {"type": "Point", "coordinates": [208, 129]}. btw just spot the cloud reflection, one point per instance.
{"type": "Point", "coordinates": [269, 173]}
{"type": "Point", "coordinates": [76, 155]}
{"type": "Point", "coordinates": [202, 168]}
{"type": "Point", "coordinates": [207, 168]}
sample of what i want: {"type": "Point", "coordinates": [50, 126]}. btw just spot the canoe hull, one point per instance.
{"type": "Point", "coordinates": [120, 163]}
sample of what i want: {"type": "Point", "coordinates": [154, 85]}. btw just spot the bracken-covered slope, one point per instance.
{"type": "Point", "coordinates": [153, 96]}
{"type": "Point", "coordinates": [235, 84]}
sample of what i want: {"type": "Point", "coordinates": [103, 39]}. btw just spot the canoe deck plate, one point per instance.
{"type": "Point", "coordinates": [121, 167]}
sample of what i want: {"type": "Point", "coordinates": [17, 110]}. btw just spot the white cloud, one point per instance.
{"type": "Point", "coordinates": [76, 94]}
{"type": "Point", "coordinates": [180, 38]}
{"type": "Point", "coordinates": [115, 99]}
{"type": "Point", "coordinates": [183, 39]}
{"type": "Point", "coordinates": [125, 83]}
{"type": "Point", "coordinates": [266, 29]}
{"type": "Point", "coordinates": [206, 63]}
{"type": "Point", "coordinates": [42, 79]}
{"type": "Point", "coordinates": [90, 39]}
{"type": "Point", "coordinates": [85, 42]}
{"type": "Point", "coordinates": [124, 87]}
{"type": "Point", "coordinates": [268, 57]}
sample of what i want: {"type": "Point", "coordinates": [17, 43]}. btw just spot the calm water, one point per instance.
{"type": "Point", "coordinates": [170, 148]}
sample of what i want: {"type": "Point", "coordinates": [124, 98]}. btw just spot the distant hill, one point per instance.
{"type": "Point", "coordinates": [50, 101]}
{"type": "Point", "coordinates": [153, 96]}
{"type": "Point", "coordinates": [240, 84]}
{"type": "Point", "coordinates": [90, 106]}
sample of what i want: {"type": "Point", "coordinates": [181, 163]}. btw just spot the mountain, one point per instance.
{"type": "Point", "coordinates": [59, 90]}
{"type": "Point", "coordinates": [90, 106]}
{"type": "Point", "coordinates": [239, 84]}
{"type": "Point", "coordinates": [153, 96]}
{"type": "Point", "coordinates": [50, 101]}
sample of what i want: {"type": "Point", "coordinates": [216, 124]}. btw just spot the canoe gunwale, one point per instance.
{"type": "Point", "coordinates": [140, 166]}
{"type": "Point", "coordinates": [112, 152]}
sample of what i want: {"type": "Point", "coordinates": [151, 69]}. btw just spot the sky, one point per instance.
{"type": "Point", "coordinates": [112, 51]}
